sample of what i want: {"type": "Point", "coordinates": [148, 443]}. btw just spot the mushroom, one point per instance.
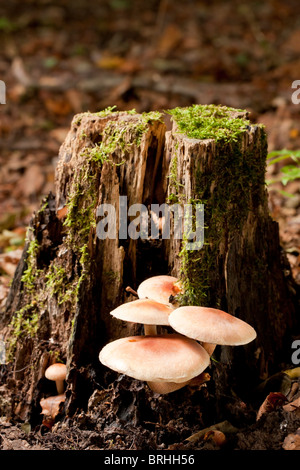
{"type": "Point", "coordinates": [211, 326]}
{"type": "Point", "coordinates": [57, 372]}
{"type": "Point", "coordinates": [51, 407]}
{"type": "Point", "coordinates": [166, 359]}
{"type": "Point", "coordinates": [160, 288]}
{"type": "Point", "coordinates": [146, 311]}
{"type": "Point", "coordinates": [150, 313]}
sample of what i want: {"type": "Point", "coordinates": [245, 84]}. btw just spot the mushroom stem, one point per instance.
{"type": "Point", "coordinates": [209, 347]}
{"type": "Point", "coordinates": [166, 387]}
{"type": "Point", "coordinates": [150, 330]}
{"type": "Point", "coordinates": [132, 291]}
{"type": "Point", "coordinates": [60, 386]}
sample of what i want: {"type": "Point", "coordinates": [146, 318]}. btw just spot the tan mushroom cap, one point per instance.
{"type": "Point", "coordinates": [162, 358]}
{"type": "Point", "coordinates": [146, 311]}
{"type": "Point", "coordinates": [159, 288]}
{"type": "Point", "coordinates": [211, 326]}
{"type": "Point", "coordinates": [50, 405]}
{"type": "Point", "coordinates": [57, 371]}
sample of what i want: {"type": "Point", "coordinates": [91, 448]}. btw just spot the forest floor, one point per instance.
{"type": "Point", "coordinates": [60, 58]}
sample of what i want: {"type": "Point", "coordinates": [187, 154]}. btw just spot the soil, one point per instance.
{"type": "Point", "coordinates": [59, 59]}
{"type": "Point", "coordinates": [128, 416]}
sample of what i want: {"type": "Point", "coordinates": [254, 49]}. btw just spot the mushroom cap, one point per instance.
{"type": "Point", "coordinates": [57, 371]}
{"type": "Point", "coordinates": [161, 358]}
{"type": "Point", "coordinates": [146, 311]}
{"type": "Point", "coordinates": [211, 325]}
{"type": "Point", "coordinates": [50, 406]}
{"type": "Point", "coordinates": [159, 288]}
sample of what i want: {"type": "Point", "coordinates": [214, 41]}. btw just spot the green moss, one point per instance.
{"type": "Point", "coordinates": [31, 272]}
{"type": "Point", "coordinates": [25, 321]}
{"type": "Point", "coordinates": [103, 113]}
{"type": "Point", "coordinates": [209, 122]}
{"type": "Point", "coordinates": [57, 283]}
{"type": "Point", "coordinates": [24, 324]}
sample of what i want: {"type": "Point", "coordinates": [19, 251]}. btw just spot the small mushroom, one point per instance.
{"type": "Point", "coordinates": [211, 326]}
{"type": "Point", "coordinates": [160, 359]}
{"type": "Point", "coordinates": [146, 311]}
{"type": "Point", "coordinates": [51, 407]}
{"type": "Point", "coordinates": [160, 288]}
{"type": "Point", "coordinates": [58, 373]}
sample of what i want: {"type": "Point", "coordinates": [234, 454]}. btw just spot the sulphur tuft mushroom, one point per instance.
{"type": "Point", "coordinates": [160, 288]}
{"type": "Point", "coordinates": [58, 373]}
{"type": "Point", "coordinates": [159, 359]}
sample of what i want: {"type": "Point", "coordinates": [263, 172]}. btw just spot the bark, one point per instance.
{"type": "Point", "coordinates": [69, 279]}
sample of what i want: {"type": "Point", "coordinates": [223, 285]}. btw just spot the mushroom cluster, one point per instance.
{"type": "Point", "coordinates": [168, 362]}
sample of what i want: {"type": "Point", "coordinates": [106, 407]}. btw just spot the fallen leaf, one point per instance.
{"type": "Point", "coordinates": [293, 373]}
{"type": "Point", "coordinates": [225, 427]}
{"type": "Point", "coordinates": [292, 406]}
{"type": "Point", "coordinates": [218, 437]}
{"type": "Point", "coordinates": [9, 261]}
{"type": "Point", "coordinates": [110, 62]}
{"type": "Point", "coordinates": [26, 427]}
{"type": "Point", "coordinates": [273, 401]}
{"type": "Point", "coordinates": [3, 290]}
{"type": "Point", "coordinates": [58, 105]}
{"type": "Point", "coordinates": [169, 40]}
{"type": "Point", "coordinates": [31, 183]}
{"type": "Point", "coordinates": [292, 441]}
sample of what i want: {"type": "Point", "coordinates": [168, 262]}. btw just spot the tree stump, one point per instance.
{"type": "Point", "coordinates": [72, 275]}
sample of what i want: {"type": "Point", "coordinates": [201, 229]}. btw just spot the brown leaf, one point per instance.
{"type": "Point", "coordinates": [169, 39]}
{"type": "Point", "coordinates": [31, 183]}
{"type": "Point", "coordinates": [273, 401]}
{"type": "Point", "coordinates": [218, 437]}
{"type": "Point", "coordinates": [58, 105]}
{"type": "Point", "coordinates": [292, 441]}
{"type": "Point", "coordinates": [110, 62]}
{"type": "Point", "coordinates": [9, 261]}
{"type": "Point", "coordinates": [292, 406]}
